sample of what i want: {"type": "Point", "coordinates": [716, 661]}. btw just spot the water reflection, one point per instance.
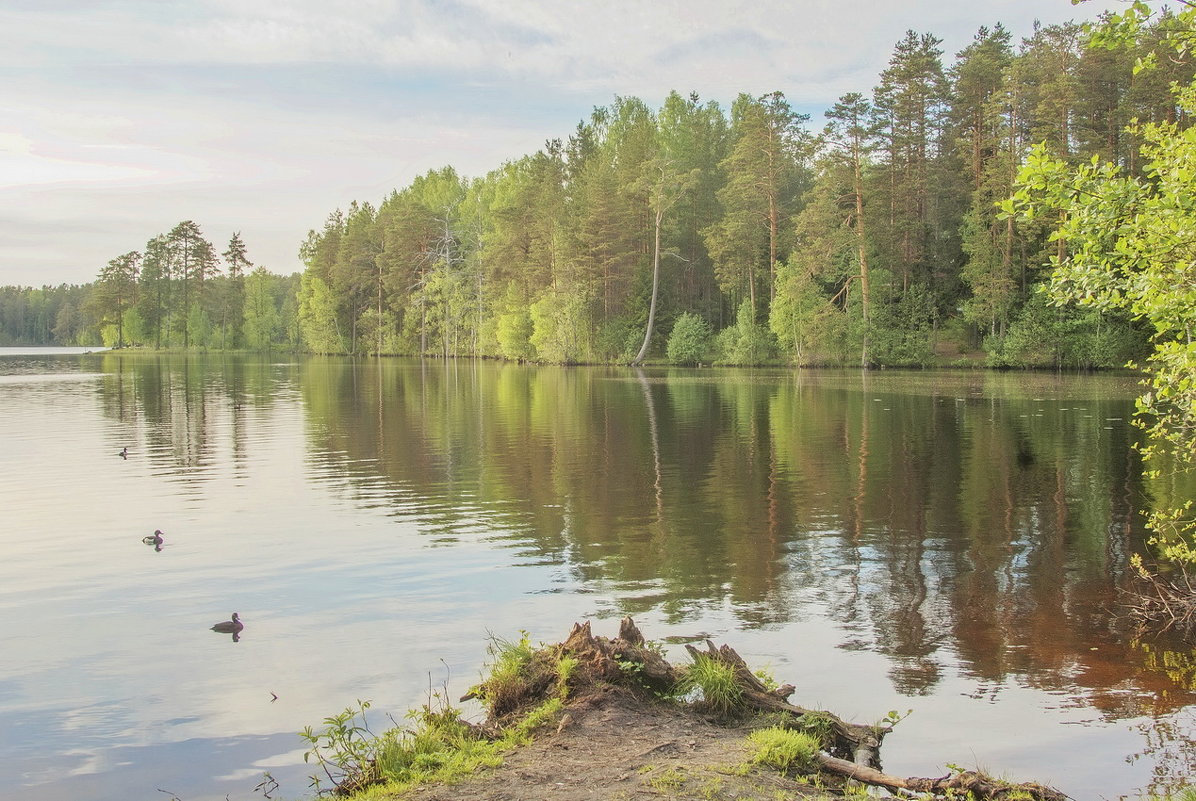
{"type": "Point", "coordinates": [952, 523]}
{"type": "Point", "coordinates": [981, 514]}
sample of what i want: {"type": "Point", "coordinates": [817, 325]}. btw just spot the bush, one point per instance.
{"type": "Point", "coordinates": [747, 342]}
{"type": "Point", "coordinates": [1044, 335]}
{"type": "Point", "coordinates": [514, 336]}
{"type": "Point", "coordinates": [690, 340]}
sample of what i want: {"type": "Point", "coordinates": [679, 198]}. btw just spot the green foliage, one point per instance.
{"type": "Point", "coordinates": [262, 321]}
{"type": "Point", "coordinates": [1130, 249]}
{"type": "Point", "coordinates": [566, 666]}
{"type": "Point", "coordinates": [859, 247]}
{"type": "Point", "coordinates": [618, 340]}
{"type": "Point", "coordinates": [317, 316]}
{"type": "Point", "coordinates": [440, 748]}
{"type": "Point", "coordinates": [806, 324]}
{"type": "Point", "coordinates": [136, 331]}
{"type": "Point", "coordinates": [818, 725]}
{"type": "Point", "coordinates": [514, 335]}
{"type": "Point", "coordinates": [1185, 794]}
{"type": "Point", "coordinates": [506, 676]}
{"type": "Point", "coordinates": [1046, 335]}
{"type": "Point", "coordinates": [689, 342]}
{"type": "Point", "coordinates": [785, 750]}
{"type": "Point", "coordinates": [766, 678]}
{"type": "Point", "coordinates": [747, 342]}
{"type": "Point", "coordinates": [199, 327]}
{"type": "Point", "coordinates": [541, 716]}
{"type": "Point", "coordinates": [902, 331]}
{"type": "Point", "coordinates": [720, 693]}
{"type": "Point", "coordinates": [668, 780]}
{"type": "Point", "coordinates": [345, 750]}
{"type": "Point", "coordinates": [559, 328]}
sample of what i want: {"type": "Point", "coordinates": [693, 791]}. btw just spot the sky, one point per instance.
{"type": "Point", "coordinates": [121, 118]}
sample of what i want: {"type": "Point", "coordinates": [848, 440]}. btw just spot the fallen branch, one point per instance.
{"type": "Point", "coordinates": [1160, 603]}
{"type": "Point", "coordinates": [862, 743]}
{"type": "Point", "coordinates": [978, 784]}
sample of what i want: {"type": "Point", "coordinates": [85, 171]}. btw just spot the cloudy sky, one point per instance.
{"type": "Point", "coordinates": [120, 118]}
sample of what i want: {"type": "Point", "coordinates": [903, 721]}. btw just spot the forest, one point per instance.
{"type": "Point", "coordinates": [693, 233]}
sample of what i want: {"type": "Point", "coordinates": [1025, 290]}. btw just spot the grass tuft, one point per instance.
{"type": "Point", "coordinates": [785, 750]}
{"type": "Point", "coordinates": [720, 692]}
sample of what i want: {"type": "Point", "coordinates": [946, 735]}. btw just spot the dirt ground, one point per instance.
{"type": "Point", "coordinates": [616, 747]}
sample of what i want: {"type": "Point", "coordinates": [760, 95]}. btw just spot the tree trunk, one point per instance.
{"type": "Point", "coordinates": [639, 358]}
{"type": "Point", "coordinates": [975, 785]}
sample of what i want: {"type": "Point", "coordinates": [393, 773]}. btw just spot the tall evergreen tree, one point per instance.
{"type": "Point", "coordinates": [233, 305]}
{"type": "Point", "coordinates": [850, 135]}
{"type": "Point", "coordinates": [909, 112]}
{"type": "Point", "coordinates": [765, 174]}
{"type": "Point", "coordinates": [193, 261]}
{"type": "Point", "coordinates": [116, 291]}
{"type": "Point", "coordinates": [694, 136]}
{"type": "Point", "coordinates": [157, 289]}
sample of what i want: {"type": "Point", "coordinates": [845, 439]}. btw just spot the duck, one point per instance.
{"type": "Point", "coordinates": [233, 626]}
{"type": "Point", "coordinates": [124, 453]}
{"type": "Point", "coordinates": [154, 539]}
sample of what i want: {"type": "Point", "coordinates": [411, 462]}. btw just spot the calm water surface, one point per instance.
{"type": "Point", "coordinates": [946, 543]}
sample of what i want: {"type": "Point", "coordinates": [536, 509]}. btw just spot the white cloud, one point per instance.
{"type": "Point", "coordinates": [122, 118]}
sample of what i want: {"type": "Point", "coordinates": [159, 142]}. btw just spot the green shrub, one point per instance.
{"type": "Point", "coordinates": [747, 342]}
{"type": "Point", "coordinates": [514, 333]}
{"type": "Point", "coordinates": [689, 342]}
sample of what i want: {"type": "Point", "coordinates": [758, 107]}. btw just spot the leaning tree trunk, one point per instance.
{"type": "Point", "coordinates": [639, 358]}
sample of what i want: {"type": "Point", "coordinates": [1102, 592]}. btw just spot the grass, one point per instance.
{"type": "Point", "coordinates": [668, 779]}
{"type": "Point", "coordinates": [439, 747]}
{"type": "Point", "coordinates": [785, 750]}
{"type": "Point", "coordinates": [1186, 794]}
{"type": "Point", "coordinates": [720, 693]}
{"type": "Point", "coordinates": [507, 683]}
{"type": "Point", "coordinates": [442, 749]}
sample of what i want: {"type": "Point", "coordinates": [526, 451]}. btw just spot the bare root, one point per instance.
{"type": "Point", "coordinates": [1161, 603]}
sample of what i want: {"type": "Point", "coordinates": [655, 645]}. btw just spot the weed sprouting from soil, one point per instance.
{"type": "Point", "coordinates": [344, 750]}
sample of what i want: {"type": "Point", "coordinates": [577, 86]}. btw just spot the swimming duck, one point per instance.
{"type": "Point", "coordinates": [155, 539]}
{"type": "Point", "coordinates": [233, 626]}
{"type": "Point", "coordinates": [124, 453]}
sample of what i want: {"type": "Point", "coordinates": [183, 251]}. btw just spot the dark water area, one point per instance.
{"type": "Point", "coordinates": [950, 543]}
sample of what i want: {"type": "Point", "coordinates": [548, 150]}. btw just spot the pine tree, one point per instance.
{"type": "Point", "coordinates": [116, 291]}
{"type": "Point", "coordinates": [765, 176]}
{"type": "Point", "coordinates": [233, 305]}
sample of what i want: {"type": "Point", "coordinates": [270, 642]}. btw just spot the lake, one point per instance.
{"type": "Point", "coordinates": [948, 543]}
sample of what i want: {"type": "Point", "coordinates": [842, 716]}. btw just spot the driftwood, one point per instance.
{"type": "Point", "coordinates": [862, 743]}
{"type": "Point", "coordinates": [1159, 603]}
{"type": "Point", "coordinates": [978, 784]}
{"type": "Point", "coordinates": [606, 658]}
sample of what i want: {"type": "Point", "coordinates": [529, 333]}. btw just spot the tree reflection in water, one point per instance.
{"type": "Point", "coordinates": [973, 519]}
